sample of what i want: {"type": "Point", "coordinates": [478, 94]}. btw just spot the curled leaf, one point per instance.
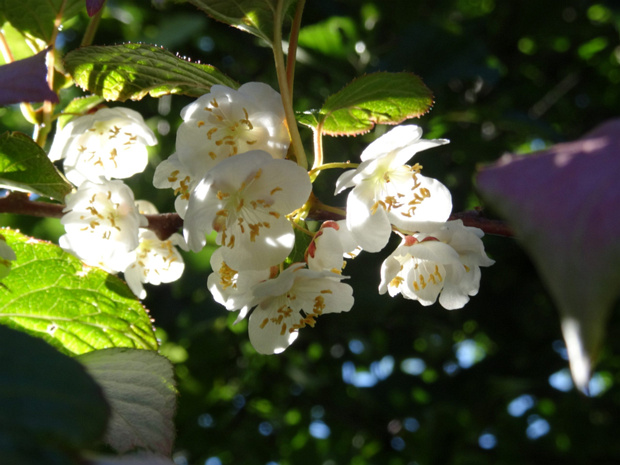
{"type": "Point", "coordinates": [25, 81]}
{"type": "Point", "coordinates": [93, 7]}
{"type": "Point", "coordinates": [562, 204]}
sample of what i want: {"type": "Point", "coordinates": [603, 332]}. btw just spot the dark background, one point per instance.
{"type": "Point", "coordinates": [392, 382]}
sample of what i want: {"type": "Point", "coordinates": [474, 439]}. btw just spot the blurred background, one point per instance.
{"type": "Point", "coordinates": [392, 382]}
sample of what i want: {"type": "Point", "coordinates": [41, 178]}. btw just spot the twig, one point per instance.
{"type": "Point", "coordinates": [163, 224]}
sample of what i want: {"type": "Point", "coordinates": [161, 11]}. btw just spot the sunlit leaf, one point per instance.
{"type": "Point", "coordinates": [26, 167]}
{"type": "Point", "coordinates": [310, 118]}
{"type": "Point", "coordinates": [76, 308]}
{"type": "Point", "coordinates": [131, 71]}
{"type": "Point", "coordinates": [563, 205]}
{"type": "Point", "coordinates": [77, 107]}
{"type": "Point", "coordinates": [18, 43]}
{"type": "Point", "coordinates": [49, 404]}
{"type": "Point", "coordinates": [139, 386]}
{"type": "Point", "coordinates": [380, 98]}
{"type": "Point", "coordinates": [335, 37]}
{"type": "Point", "coordinates": [25, 81]}
{"type": "Point", "coordinates": [253, 16]}
{"type": "Point", "coordinates": [38, 18]}
{"type": "Point", "coordinates": [302, 241]}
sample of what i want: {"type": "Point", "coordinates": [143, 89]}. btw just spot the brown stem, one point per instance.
{"type": "Point", "coordinates": [20, 203]}
{"type": "Point", "coordinates": [476, 219]}
{"type": "Point", "coordinates": [292, 46]}
{"type": "Point", "coordinates": [473, 218]}
{"type": "Point", "coordinates": [163, 224]}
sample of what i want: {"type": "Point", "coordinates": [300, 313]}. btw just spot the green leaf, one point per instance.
{"type": "Point", "coordinates": [48, 404]}
{"type": "Point", "coordinates": [77, 107]}
{"type": "Point", "coordinates": [139, 385]}
{"type": "Point", "coordinates": [76, 308]}
{"type": "Point", "coordinates": [335, 37]}
{"type": "Point", "coordinates": [302, 241]}
{"type": "Point", "coordinates": [253, 16]}
{"type": "Point", "coordinates": [380, 98]}
{"type": "Point", "coordinates": [131, 71]}
{"type": "Point", "coordinates": [37, 18]}
{"type": "Point", "coordinates": [17, 43]}
{"type": "Point", "coordinates": [310, 118]}
{"type": "Point", "coordinates": [26, 167]}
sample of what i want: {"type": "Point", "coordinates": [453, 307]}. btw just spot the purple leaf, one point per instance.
{"type": "Point", "coordinates": [563, 205]}
{"type": "Point", "coordinates": [93, 7]}
{"type": "Point", "coordinates": [25, 81]}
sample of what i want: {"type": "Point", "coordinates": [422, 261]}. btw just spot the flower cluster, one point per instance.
{"type": "Point", "coordinates": [231, 176]}
{"type": "Point", "coordinates": [217, 126]}
{"type": "Point", "coordinates": [437, 258]}
{"type": "Point", "coordinates": [103, 223]}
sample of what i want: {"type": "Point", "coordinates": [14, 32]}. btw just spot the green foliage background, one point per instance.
{"type": "Point", "coordinates": [507, 77]}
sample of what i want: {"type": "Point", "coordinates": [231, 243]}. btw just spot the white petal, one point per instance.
{"type": "Point", "coordinates": [345, 180]}
{"type": "Point", "coordinates": [434, 204]}
{"type": "Point", "coordinates": [268, 338]}
{"type": "Point", "coordinates": [395, 139]}
{"type": "Point", "coordinates": [110, 143]}
{"type": "Point", "coordinates": [371, 230]}
{"type": "Point", "coordinates": [327, 251]}
{"type": "Point", "coordinates": [389, 270]}
{"type": "Point", "coordinates": [405, 140]}
{"type": "Point", "coordinates": [275, 322]}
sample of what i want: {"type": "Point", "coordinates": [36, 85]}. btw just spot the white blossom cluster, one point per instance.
{"type": "Point", "coordinates": [104, 225]}
{"type": "Point", "coordinates": [230, 175]}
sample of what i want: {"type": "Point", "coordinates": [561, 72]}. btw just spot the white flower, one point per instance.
{"type": "Point", "coordinates": [170, 173]}
{"type": "Point", "coordinates": [331, 243]}
{"type": "Point", "coordinates": [110, 143]}
{"type": "Point", "coordinates": [445, 263]}
{"type": "Point", "coordinates": [227, 122]}
{"type": "Point", "coordinates": [387, 192]}
{"type": "Point", "coordinates": [292, 301]}
{"type": "Point", "coordinates": [232, 288]}
{"type": "Point", "coordinates": [246, 199]}
{"type": "Point", "coordinates": [154, 261]}
{"type": "Point", "coordinates": [101, 223]}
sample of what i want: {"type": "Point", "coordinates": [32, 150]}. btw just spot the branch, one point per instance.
{"type": "Point", "coordinates": [476, 219]}
{"type": "Point", "coordinates": [20, 203]}
{"type": "Point", "coordinates": [163, 224]}
{"type": "Point", "coordinates": [473, 218]}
